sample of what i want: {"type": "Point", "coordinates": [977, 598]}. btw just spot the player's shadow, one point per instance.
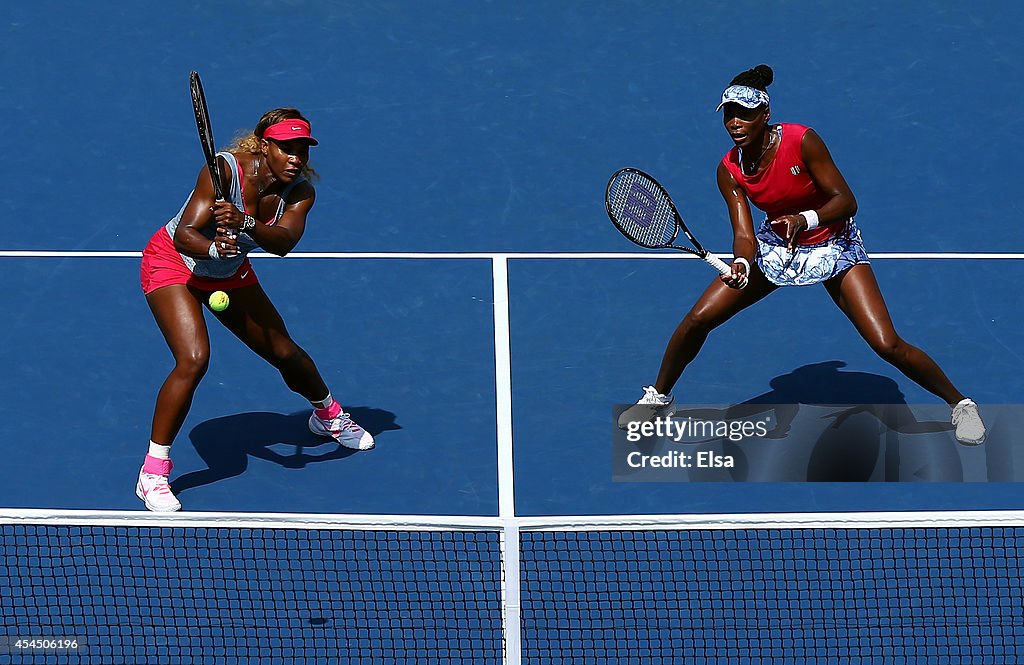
{"type": "Point", "coordinates": [225, 444]}
{"type": "Point", "coordinates": [858, 438]}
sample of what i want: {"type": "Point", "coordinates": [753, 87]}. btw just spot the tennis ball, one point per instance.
{"type": "Point", "coordinates": [219, 301]}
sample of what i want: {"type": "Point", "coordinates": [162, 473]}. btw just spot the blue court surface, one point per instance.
{"type": "Point", "coordinates": [491, 130]}
{"type": "Point", "coordinates": [464, 295]}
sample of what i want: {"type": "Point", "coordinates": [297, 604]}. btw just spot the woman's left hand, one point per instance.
{"type": "Point", "coordinates": [794, 225]}
{"type": "Point", "coordinates": [228, 218]}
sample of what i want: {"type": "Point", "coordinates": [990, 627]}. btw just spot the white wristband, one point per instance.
{"type": "Point", "coordinates": [812, 219]}
{"type": "Point", "coordinates": [214, 254]}
{"type": "Point", "coordinates": [746, 264]}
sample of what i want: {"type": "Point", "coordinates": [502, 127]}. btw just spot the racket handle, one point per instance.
{"type": "Point", "coordinates": [718, 264]}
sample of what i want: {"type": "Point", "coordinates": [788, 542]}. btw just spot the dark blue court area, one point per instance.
{"type": "Point", "coordinates": [492, 130]}
{"type": "Point", "coordinates": [460, 143]}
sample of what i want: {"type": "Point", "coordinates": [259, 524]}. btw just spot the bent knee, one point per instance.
{"type": "Point", "coordinates": [193, 364]}
{"type": "Point", "coordinates": [700, 319]}
{"type": "Point", "coordinates": [890, 348]}
{"type": "Point", "coordinates": [285, 353]}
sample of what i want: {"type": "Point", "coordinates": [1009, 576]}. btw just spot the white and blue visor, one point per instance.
{"type": "Point", "coordinates": [744, 95]}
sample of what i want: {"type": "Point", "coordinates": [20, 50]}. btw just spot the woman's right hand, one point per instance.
{"type": "Point", "coordinates": [226, 245]}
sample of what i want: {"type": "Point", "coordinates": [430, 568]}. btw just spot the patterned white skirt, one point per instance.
{"type": "Point", "coordinates": [809, 264]}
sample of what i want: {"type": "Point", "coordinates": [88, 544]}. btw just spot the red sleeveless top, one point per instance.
{"type": "Point", "coordinates": [784, 186]}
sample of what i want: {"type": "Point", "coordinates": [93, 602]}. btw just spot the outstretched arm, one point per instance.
{"type": "Point", "coordinates": [743, 243]}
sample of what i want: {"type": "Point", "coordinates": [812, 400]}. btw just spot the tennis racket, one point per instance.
{"type": "Point", "coordinates": [205, 132]}
{"type": "Point", "coordinates": [642, 210]}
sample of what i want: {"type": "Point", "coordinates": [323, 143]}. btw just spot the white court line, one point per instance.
{"type": "Point", "coordinates": [503, 387]}
{"type": "Point", "coordinates": [503, 255]}
{"type": "Point", "coordinates": [511, 590]}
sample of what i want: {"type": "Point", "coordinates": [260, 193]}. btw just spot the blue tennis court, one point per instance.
{"type": "Point", "coordinates": [465, 297]}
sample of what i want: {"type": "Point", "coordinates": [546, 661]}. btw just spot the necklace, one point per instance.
{"type": "Point", "coordinates": [260, 187]}
{"type": "Point", "coordinates": [757, 162]}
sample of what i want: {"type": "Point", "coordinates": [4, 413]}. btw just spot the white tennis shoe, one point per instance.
{"type": "Point", "coordinates": [970, 430]}
{"type": "Point", "coordinates": [342, 429]}
{"type": "Point", "coordinates": [156, 493]}
{"type": "Point", "coordinates": [649, 407]}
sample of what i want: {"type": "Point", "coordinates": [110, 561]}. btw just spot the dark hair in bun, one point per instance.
{"type": "Point", "coordinates": [759, 77]}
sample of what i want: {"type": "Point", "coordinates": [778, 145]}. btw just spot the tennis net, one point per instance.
{"type": "Point", "coordinates": [129, 588]}
{"type": "Point", "coordinates": [716, 589]}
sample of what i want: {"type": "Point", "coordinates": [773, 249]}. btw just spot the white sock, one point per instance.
{"type": "Point", "coordinates": [159, 451]}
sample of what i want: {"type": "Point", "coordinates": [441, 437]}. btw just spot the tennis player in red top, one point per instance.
{"type": "Point", "coordinates": [808, 236]}
{"type": "Point", "coordinates": [203, 249]}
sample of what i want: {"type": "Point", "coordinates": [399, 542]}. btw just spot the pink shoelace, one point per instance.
{"type": "Point", "coordinates": [344, 422]}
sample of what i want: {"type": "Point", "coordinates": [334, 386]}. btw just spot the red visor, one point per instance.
{"type": "Point", "coordinates": [288, 130]}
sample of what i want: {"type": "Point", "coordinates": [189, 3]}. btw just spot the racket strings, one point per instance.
{"type": "Point", "coordinates": [641, 210]}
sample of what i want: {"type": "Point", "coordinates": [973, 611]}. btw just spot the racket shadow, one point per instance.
{"type": "Point", "coordinates": [225, 444]}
